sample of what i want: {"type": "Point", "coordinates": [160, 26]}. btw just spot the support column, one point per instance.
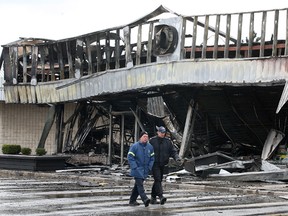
{"type": "Point", "coordinates": [186, 135]}
{"type": "Point", "coordinates": [59, 128]}
{"type": "Point", "coordinates": [47, 126]}
{"type": "Point", "coordinates": [122, 139]}
{"type": "Point", "coordinates": [109, 159]}
{"type": "Point", "coordinates": [137, 124]}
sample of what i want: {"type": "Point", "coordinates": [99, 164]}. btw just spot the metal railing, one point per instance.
{"type": "Point", "coordinates": [239, 35]}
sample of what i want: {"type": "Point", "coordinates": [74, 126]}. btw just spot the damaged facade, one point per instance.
{"type": "Point", "coordinates": [217, 82]}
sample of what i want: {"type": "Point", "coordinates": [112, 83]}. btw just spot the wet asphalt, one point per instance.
{"type": "Point", "coordinates": [28, 193]}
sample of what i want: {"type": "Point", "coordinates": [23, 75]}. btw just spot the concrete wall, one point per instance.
{"type": "Point", "coordinates": [22, 124]}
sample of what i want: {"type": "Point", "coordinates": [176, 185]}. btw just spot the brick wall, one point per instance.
{"type": "Point", "coordinates": [22, 124]}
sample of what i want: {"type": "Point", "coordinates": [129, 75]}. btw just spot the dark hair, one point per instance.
{"type": "Point", "coordinates": [142, 133]}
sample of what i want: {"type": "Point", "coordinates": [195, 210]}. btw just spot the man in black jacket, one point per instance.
{"type": "Point", "coordinates": [163, 149]}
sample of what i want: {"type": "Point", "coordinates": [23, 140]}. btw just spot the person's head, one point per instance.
{"type": "Point", "coordinates": [143, 137]}
{"type": "Point", "coordinates": [161, 131]}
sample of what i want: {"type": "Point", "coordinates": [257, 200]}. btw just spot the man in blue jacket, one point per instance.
{"type": "Point", "coordinates": [141, 159]}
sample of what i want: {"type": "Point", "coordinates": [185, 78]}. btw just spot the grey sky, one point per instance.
{"type": "Point", "coordinates": [58, 19]}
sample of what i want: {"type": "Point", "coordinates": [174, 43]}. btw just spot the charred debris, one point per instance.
{"type": "Point", "coordinates": [221, 101]}
{"type": "Point", "coordinates": [222, 139]}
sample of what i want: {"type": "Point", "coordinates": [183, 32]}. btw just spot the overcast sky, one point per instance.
{"type": "Point", "coordinates": [58, 19]}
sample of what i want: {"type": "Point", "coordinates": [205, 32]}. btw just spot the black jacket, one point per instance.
{"type": "Point", "coordinates": [163, 149]}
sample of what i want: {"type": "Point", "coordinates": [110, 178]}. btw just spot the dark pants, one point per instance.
{"type": "Point", "coordinates": [157, 189]}
{"type": "Point", "coordinates": [137, 190]}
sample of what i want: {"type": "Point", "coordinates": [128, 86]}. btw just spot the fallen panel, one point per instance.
{"type": "Point", "coordinates": [273, 139]}
{"type": "Point", "coordinates": [213, 163]}
{"type": "Point", "coordinates": [229, 166]}
{"type": "Point", "coordinates": [277, 175]}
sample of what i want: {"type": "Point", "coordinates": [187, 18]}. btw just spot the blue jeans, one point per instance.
{"type": "Point", "coordinates": [137, 190]}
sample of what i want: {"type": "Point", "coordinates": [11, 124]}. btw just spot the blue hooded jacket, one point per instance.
{"type": "Point", "coordinates": [141, 159]}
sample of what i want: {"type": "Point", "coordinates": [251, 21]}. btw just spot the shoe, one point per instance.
{"type": "Point", "coordinates": [163, 200]}
{"type": "Point", "coordinates": [154, 200]}
{"type": "Point", "coordinates": [134, 203]}
{"type": "Point", "coordinates": [146, 202]}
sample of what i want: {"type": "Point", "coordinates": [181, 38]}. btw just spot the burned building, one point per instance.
{"type": "Point", "coordinates": [216, 81]}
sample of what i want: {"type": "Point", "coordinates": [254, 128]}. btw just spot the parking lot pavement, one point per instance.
{"type": "Point", "coordinates": [25, 193]}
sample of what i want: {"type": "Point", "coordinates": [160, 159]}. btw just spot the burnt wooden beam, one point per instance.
{"type": "Point", "coordinates": [137, 123]}
{"type": "Point", "coordinates": [79, 58]}
{"type": "Point", "coordinates": [239, 35]}
{"type": "Point", "coordinates": [216, 39]}
{"type": "Point", "coordinates": [1, 59]}
{"type": "Point", "coordinates": [42, 62]}
{"type": "Point", "coordinates": [182, 42]}
{"type": "Point", "coordinates": [15, 65]}
{"type": "Point", "coordinates": [149, 45]}
{"type": "Point", "coordinates": [187, 128]}
{"type": "Point", "coordinates": [228, 28]}
{"type": "Point", "coordinates": [107, 50]}
{"type": "Point", "coordinates": [251, 35]}
{"type": "Point", "coordinates": [137, 119]}
{"type": "Point", "coordinates": [59, 127]}
{"type": "Point", "coordinates": [275, 38]}
{"type": "Point", "coordinates": [192, 54]}
{"type": "Point", "coordinates": [117, 50]}
{"type": "Point", "coordinates": [51, 62]}
{"type": "Point", "coordinates": [263, 30]}
{"type": "Point", "coordinates": [60, 60]}
{"type": "Point", "coordinates": [128, 57]}
{"type": "Point", "coordinates": [47, 126]}
{"type": "Point", "coordinates": [70, 59]}
{"type": "Point", "coordinates": [13, 60]}
{"type": "Point", "coordinates": [122, 135]}
{"type": "Point", "coordinates": [99, 55]}
{"type": "Point", "coordinates": [70, 123]}
{"type": "Point", "coordinates": [24, 65]}
{"type": "Point", "coordinates": [139, 45]}
{"type": "Point", "coordinates": [34, 65]}
{"type": "Point", "coordinates": [205, 37]}
{"type": "Point", "coordinates": [89, 56]}
{"type": "Point", "coordinates": [110, 141]}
